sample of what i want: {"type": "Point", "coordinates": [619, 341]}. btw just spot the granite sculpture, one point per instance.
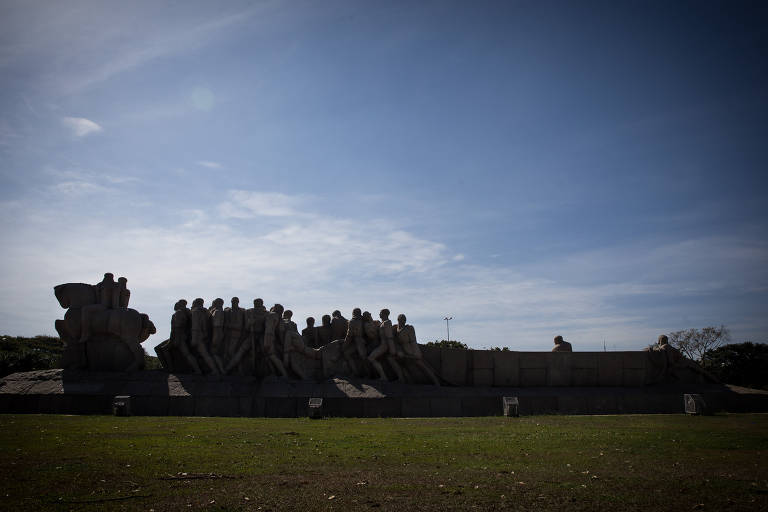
{"type": "Point", "coordinates": [99, 331]}
{"type": "Point", "coordinates": [561, 345]}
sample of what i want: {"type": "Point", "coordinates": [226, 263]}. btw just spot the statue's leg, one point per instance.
{"type": "Point", "coordinates": [396, 367]}
{"type": "Point", "coordinates": [278, 365]}
{"type": "Point", "coordinates": [347, 350]}
{"type": "Point", "coordinates": [203, 352]}
{"type": "Point", "coordinates": [189, 358]}
{"type": "Point", "coordinates": [373, 359]}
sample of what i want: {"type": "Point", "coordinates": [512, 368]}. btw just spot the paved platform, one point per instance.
{"type": "Point", "coordinates": [156, 393]}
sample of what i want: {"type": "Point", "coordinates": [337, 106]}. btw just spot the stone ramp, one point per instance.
{"type": "Point", "coordinates": [156, 393]}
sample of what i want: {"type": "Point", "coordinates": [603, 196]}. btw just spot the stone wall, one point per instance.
{"type": "Point", "coordinates": [541, 369]}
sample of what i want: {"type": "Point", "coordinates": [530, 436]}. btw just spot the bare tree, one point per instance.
{"type": "Point", "coordinates": [694, 342]}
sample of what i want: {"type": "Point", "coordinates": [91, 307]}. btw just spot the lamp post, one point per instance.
{"type": "Point", "coordinates": [447, 327]}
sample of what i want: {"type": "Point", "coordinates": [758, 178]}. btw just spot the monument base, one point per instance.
{"type": "Point", "coordinates": [156, 393]}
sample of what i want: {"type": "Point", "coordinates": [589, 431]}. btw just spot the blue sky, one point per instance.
{"type": "Point", "coordinates": [590, 169]}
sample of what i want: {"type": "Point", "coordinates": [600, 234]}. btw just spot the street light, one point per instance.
{"type": "Point", "coordinates": [447, 328]}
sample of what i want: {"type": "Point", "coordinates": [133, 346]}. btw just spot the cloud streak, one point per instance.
{"type": "Point", "coordinates": [80, 126]}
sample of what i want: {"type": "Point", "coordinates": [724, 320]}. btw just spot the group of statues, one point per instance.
{"type": "Point", "coordinates": [256, 341]}
{"type": "Point", "coordinates": [99, 330]}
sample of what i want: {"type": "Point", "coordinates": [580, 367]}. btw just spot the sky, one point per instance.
{"type": "Point", "coordinates": [590, 169]}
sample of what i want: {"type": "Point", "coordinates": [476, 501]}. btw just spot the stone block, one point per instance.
{"type": "Point", "coordinates": [536, 359]}
{"type": "Point", "coordinates": [181, 405]}
{"type": "Point", "coordinates": [584, 377]}
{"type": "Point", "coordinates": [149, 405]}
{"type": "Point", "coordinates": [91, 404]}
{"type": "Point", "coordinates": [636, 359]}
{"type": "Point", "coordinates": [533, 377]}
{"type": "Point", "coordinates": [244, 406]}
{"type": "Point", "coordinates": [537, 404]}
{"type": "Point", "coordinates": [559, 370]}
{"type": "Point", "coordinates": [217, 406]}
{"type": "Point", "coordinates": [433, 357]}
{"type": "Point", "coordinates": [389, 407]}
{"type": "Point", "coordinates": [445, 406]}
{"type": "Point", "coordinates": [480, 406]}
{"type": "Point", "coordinates": [583, 359]}
{"type": "Point", "coordinates": [602, 404]}
{"type": "Point", "coordinates": [609, 369]}
{"type": "Point", "coordinates": [415, 407]}
{"type": "Point", "coordinates": [572, 404]}
{"type": "Point", "coordinates": [506, 368]}
{"type": "Point", "coordinates": [632, 377]}
{"type": "Point", "coordinates": [454, 366]}
{"type": "Point", "coordinates": [482, 377]}
{"type": "Point", "coordinates": [482, 359]}
{"type": "Point", "coordinates": [258, 407]}
{"type": "Point", "coordinates": [343, 407]}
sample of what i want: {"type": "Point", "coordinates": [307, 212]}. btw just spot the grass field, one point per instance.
{"type": "Point", "coordinates": [655, 462]}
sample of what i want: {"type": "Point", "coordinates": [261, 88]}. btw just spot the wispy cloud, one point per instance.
{"type": "Point", "coordinates": [209, 164]}
{"type": "Point", "coordinates": [81, 126]}
{"type": "Point", "coordinates": [244, 204]}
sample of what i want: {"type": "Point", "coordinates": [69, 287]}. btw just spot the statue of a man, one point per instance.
{"type": "Point", "coordinates": [353, 341]}
{"type": "Point", "coordinates": [309, 334]}
{"type": "Point", "coordinates": [235, 342]}
{"type": "Point", "coordinates": [406, 338]}
{"type": "Point", "coordinates": [105, 292]}
{"type": "Point", "coordinates": [561, 345]}
{"type": "Point", "coordinates": [269, 345]}
{"type": "Point", "coordinates": [254, 324]}
{"type": "Point", "coordinates": [200, 324]}
{"type": "Point", "coordinates": [294, 347]}
{"type": "Point", "coordinates": [386, 348]}
{"type": "Point", "coordinates": [218, 324]}
{"type": "Point", "coordinates": [181, 329]}
{"type": "Point", "coordinates": [324, 336]}
{"type": "Point", "coordinates": [339, 326]}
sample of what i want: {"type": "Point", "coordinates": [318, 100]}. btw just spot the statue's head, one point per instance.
{"type": "Point", "coordinates": [287, 314]}
{"type": "Point", "coordinates": [278, 308]}
{"type": "Point", "coordinates": [367, 316]}
{"type": "Point", "coordinates": [558, 340]}
{"type": "Point", "coordinates": [336, 314]}
{"type": "Point", "coordinates": [198, 303]}
{"type": "Point", "coordinates": [180, 304]}
{"type": "Point", "coordinates": [218, 303]}
{"type": "Point", "coordinates": [122, 280]}
{"type": "Point", "coordinates": [258, 303]}
{"type": "Point", "coordinates": [326, 320]}
{"type": "Point", "coordinates": [384, 314]}
{"type": "Point", "coordinates": [310, 322]}
{"type": "Point", "coordinates": [663, 339]}
{"type": "Point", "coordinates": [356, 313]}
{"type": "Point", "coordinates": [401, 319]}
{"type": "Point", "coordinates": [235, 302]}
{"type": "Point", "coordinates": [109, 276]}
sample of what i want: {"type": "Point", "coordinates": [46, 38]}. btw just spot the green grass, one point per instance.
{"type": "Point", "coordinates": [652, 462]}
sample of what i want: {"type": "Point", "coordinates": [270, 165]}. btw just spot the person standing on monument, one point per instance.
{"type": "Point", "coordinates": [406, 337]}
{"type": "Point", "coordinates": [386, 348]}
{"type": "Point", "coordinates": [561, 345]}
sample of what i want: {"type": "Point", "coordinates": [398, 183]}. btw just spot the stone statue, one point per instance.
{"type": "Point", "coordinates": [324, 333]}
{"type": "Point", "coordinates": [269, 345]}
{"type": "Point", "coordinates": [234, 323]}
{"type": "Point", "coordinates": [254, 320]}
{"type": "Point", "coordinates": [309, 334]}
{"type": "Point", "coordinates": [294, 347]}
{"type": "Point", "coordinates": [339, 326]}
{"type": "Point", "coordinates": [354, 344]}
{"type": "Point", "coordinates": [218, 324]}
{"type": "Point", "coordinates": [671, 365]}
{"type": "Point", "coordinates": [561, 345]}
{"type": "Point", "coordinates": [405, 335]}
{"type": "Point", "coordinates": [98, 329]}
{"type": "Point", "coordinates": [199, 335]}
{"type": "Point", "coordinates": [174, 353]}
{"type": "Point", "coordinates": [386, 348]}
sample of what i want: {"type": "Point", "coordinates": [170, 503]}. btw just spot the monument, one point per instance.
{"type": "Point", "coordinates": [230, 361]}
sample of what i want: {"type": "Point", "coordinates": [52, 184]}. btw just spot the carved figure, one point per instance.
{"type": "Point", "coordinates": [218, 324]}
{"type": "Point", "coordinates": [97, 319]}
{"type": "Point", "coordinates": [271, 323]}
{"type": "Point", "coordinates": [199, 335]}
{"type": "Point", "coordinates": [294, 347]}
{"type": "Point", "coordinates": [324, 333]}
{"type": "Point", "coordinates": [386, 348]}
{"type": "Point", "coordinates": [339, 326]}
{"type": "Point", "coordinates": [561, 345]}
{"type": "Point", "coordinates": [178, 345]}
{"type": "Point", "coordinates": [354, 344]}
{"type": "Point", "coordinates": [309, 334]}
{"type": "Point", "coordinates": [234, 323]}
{"type": "Point", "coordinates": [406, 338]}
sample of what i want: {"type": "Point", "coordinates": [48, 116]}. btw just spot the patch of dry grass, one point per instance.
{"type": "Point", "coordinates": [653, 462]}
